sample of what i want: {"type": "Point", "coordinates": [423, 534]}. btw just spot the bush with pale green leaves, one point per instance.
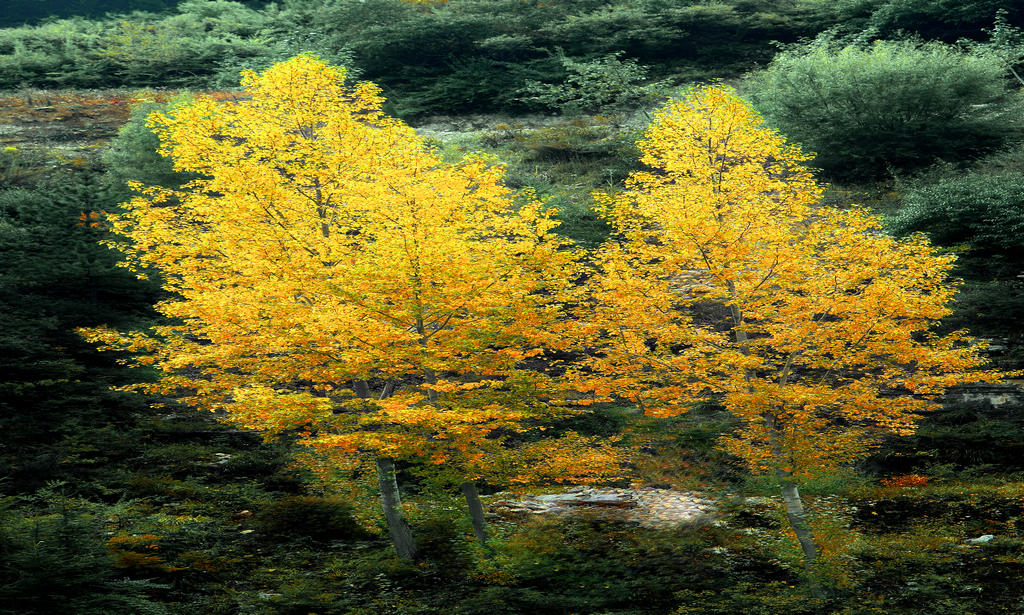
{"type": "Point", "coordinates": [888, 108]}
{"type": "Point", "coordinates": [605, 85]}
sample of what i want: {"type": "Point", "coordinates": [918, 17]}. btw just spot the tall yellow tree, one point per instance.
{"type": "Point", "coordinates": [729, 279]}
{"type": "Point", "coordinates": [331, 277]}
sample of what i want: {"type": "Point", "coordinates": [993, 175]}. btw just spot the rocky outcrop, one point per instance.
{"type": "Point", "coordinates": [646, 507]}
{"type": "Point", "coordinates": [998, 395]}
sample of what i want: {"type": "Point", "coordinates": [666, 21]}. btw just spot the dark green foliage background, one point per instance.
{"type": "Point", "coordinates": [939, 20]}
{"type": "Point", "coordinates": [463, 56]}
{"type": "Point", "coordinates": [978, 215]}
{"type": "Point", "coordinates": [17, 13]}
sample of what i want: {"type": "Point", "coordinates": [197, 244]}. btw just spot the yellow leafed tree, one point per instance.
{"type": "Point", "coordinates": [330, 276]}
{"type": "Point", "coordinates": [729, 279]}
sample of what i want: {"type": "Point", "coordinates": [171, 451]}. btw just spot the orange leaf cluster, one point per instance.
{"type": "Point", "coordinates": [905, 480]}
{"type": "Point", "coordinates": [729, 279]}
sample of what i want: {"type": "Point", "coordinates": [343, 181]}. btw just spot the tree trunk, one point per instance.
{"type": "Point", "coordinates": [401, 535]}
{"type": "Point", "coordinates": [476, 509]}
{"type": "Point", "coordinates": [476, 513]}
{"type": "Point", "coordinates": [387, 482]}
{"type": "Point", "coordinates": [361, 388]}
{"type": "Point", "coordinates": [804, 534]}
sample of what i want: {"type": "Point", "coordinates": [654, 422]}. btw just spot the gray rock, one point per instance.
{"type": "Point", "coordinates": [646, 507]}
{"type": "Point", "coordinates": [612, 500]}
{"type": "Point", "coordinates": [558, 497]}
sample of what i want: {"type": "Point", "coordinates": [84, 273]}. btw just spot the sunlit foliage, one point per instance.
{"type": "Point", "coordinates": [728, 279]}
{"type": "Point", "coordinates": [325, 246]}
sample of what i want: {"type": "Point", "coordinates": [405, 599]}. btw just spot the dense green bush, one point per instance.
{"type": "Point", "coordinates": [27, 12]}
{"type": "Point", "coordinates": [979, 214]}
{"type": "Point", "coordinates": [57, 277]}
{"type": "Point", "coordinates": [941, 20]}
{"type": "Point", "coordinates": [311, 517]}
{"type": "Point", "coordinates": [470, 46]}
{"type": "Point", "coordinates": [56, 564]}
{"type": "Point", "coordinates": [581, 565]}
{"type": "Point", "coordinates": [960, 441]}
{"type": "Point", "coordinates": [607, 85]}
{"type": "Point", "coordinates": [455, 57]}
{"type": "Point", "coordinates": [51, 247]}
{"type": "Point", "coordinates": [140, 49]}
{"type": "Point", "coordinates": [132, 155]}
{"type": "Point", "coordinates": [893, 106]}
{"type": "Point", "coordinates": [685, 39]}
{"type": "Point", "coordinates": [980, 217]}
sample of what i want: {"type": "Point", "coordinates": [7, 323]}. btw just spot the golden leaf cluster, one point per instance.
{"type": "Point", "coordinates": [325, 245]}
{"type": "Point", "coordinates": [728, 279]}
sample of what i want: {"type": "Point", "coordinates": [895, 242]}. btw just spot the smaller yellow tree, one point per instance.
{"type": "Point", "coordinates": [331, 277]}
{"type": "Point", "coordinates": [728, 279]}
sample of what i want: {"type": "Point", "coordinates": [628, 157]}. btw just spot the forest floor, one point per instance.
{"type": "Point", "coordinates": [81, 121]}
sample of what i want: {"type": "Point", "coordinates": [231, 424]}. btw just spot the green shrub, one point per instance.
{"type": "Point", "coordinates": [757, 598]}
{"type": "Point", "coordinates": [132, 155]}
{"type": "Point", "coordinates": [963, 439]}
{"type": "Point", "coordinates": [309, 517]}
{"type": "Point", "coordinates": [924, 571]}
{"type": "Point", "coordinates": [468, 84]}
{"type": "Point", "coordinates": [607, 85]}
{"type": "Point", "coordinates": [444, 543]}
{"type": "Point", "coordinates": [281, 47]}
{"type": "Point", "coordinates": [588, 565]}
{"type": "Point", "coordinates": [981, 215]}
{"type": "Point", "coordinates": [693, 39]}
{"type": "Point", "coordinates": [472, 55]}
{"type": "Point", "coordinates": [455, 57]}
{"type": "Point", "coordinates": [941, 20]}
{"type": "Point", "coordinates": [56, 564]}
{"type": "Point", "coordinates": [459, 56]}
{"type": "Point", "coordinates": [56, 410]}
{"type": "Point", "coordinates": [26, 12]}
{"type": "Point", "coordinates": [140, 49]}
{"type": "Point", "coordinates": [188, 48]}
{"type": "Point", "coordinates": [894, 106]}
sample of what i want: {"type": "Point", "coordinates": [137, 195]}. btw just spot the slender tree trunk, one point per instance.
{"type": "Point", "coordinates": [476, 513]}
{"type": "Point", "coordinates": [387, 482]}
{"type": "Point", "coordinates": [795, 512]}
{"type": "Point", "coordinates": [802, 528]}
{"type": "Point", "coordinates": [401, 535]}
{"type": "Point", "coordinates": [476, 509]}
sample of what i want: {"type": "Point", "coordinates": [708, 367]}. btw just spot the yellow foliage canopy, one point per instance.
{"type": "Point", "coordinates": [729, 279]}
{"type": "Point", "coordinates": [326, 244]}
